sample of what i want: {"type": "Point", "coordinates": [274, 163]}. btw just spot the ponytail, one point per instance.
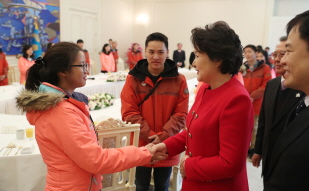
{"type": "Point", "coordinates": [57, 58]}
{"type": "Point", "coordinates": [34, 80]}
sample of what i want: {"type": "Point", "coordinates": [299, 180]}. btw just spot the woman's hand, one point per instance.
{"type": "Point", "coordinates": [182, 166]}
{"type": "Point", "coordinates": [158, 152]}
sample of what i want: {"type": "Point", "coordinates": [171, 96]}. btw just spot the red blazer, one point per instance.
{"type": "Point", "coordinates": [217, 138]}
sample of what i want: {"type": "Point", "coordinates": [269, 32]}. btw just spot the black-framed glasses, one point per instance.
{"type": "Point", "coordinates": [85, 66]}
{"type": "Point", "coordinates": [278, 54]}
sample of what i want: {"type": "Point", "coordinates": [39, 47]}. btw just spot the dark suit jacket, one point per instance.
{"type": "Point", "coordinates": [270, 127]}
{"type": "Point", "coordinates": [289, 166]}
{"type": "Point", "coordinates": [179, 57]}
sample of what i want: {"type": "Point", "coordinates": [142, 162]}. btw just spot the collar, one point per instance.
{"type": "Point", "coordinates": [307, 101]}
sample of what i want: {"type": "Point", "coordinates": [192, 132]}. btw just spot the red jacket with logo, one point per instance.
{"type": "Point", "coordinates": [164, 112]}
{"type": "Point", "coordinates": [255, 83]}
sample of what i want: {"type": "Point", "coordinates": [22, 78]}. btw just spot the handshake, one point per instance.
{"type": "Point", "coordinates": [158, 152]}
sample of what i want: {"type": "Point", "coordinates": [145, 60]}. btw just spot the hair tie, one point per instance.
{"type": "Point", "coordinates": [39, 63]}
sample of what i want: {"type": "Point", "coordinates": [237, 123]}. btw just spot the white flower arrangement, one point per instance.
{"type": "Point", "coordinates": [116, 77]}
{"type": "Point", "coordinates": [99, 101]}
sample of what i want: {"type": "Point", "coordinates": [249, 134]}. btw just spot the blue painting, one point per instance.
{"type": "Point", "coordinates": [34, 22]}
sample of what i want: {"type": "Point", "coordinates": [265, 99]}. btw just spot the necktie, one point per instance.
{"type": "Point", "coordinates": [300, 107]}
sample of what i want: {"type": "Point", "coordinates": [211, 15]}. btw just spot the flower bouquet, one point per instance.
{"type": "Point", "coordinates": [116, 77]}
{"type": "Point", "coordinates": [99, 101]}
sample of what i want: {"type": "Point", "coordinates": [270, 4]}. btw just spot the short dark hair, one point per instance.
{"type": "Point", "coordinates": [265, 54]}
{"type": "Point", "coordinates": [283, 38]}
{"type": "Point", "coordinates": [79, 41]}
{"type": "Point", "coordinates": [25, 48]}
{"type": "Point", "coordinates": [157, 37]}
{"type": "Point", "coordinates": [259, 47]}
{"type": "Point", "coordinates": [301, 21]}
{"type": "Point", "coordinates": [220, 43]}
{"type": "Point", "coordinates": [251, 46]}
{"type": "Point", "coordinates": [57, 58]}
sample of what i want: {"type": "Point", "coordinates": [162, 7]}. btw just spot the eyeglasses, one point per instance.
{"type": "Point", "coordinates": [85, 66]}
{"type": "Point", "coordinates": [278, 54]}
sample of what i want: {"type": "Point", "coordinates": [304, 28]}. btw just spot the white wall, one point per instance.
{"type": "Point", "coordinates": [290, 8]}
{"type": "Point", "coordinates": [249, 19]}
{"type": "Point", "coordinates": [117, 24]}
{"type": "Point", "coordinates": [283, 12]}
{"type": "Point", "coordinates": [97, 22]}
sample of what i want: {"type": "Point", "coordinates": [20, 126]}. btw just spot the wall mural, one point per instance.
{"type": "Point", "coordinates": [35, 22]}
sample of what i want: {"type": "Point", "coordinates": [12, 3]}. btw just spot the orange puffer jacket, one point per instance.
{"type": "Point", "coordinates": [164, 112]}
{"type": "Point", "coordinates": [68, 143]}
{"type": "Point", "coordinates": [255, 83]}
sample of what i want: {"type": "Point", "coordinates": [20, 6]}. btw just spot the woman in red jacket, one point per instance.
{"type": "Point", "coordinates": [134, 55]}
{"type": "Point", "coordinates": [4, 68]}
{"type": "Point", "coordinates": [220, 122]}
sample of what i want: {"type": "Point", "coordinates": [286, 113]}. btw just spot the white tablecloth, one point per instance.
{"type": "Point", "coordinates": [189, 74]}
{"type": "Point", "coordinates": [7, 101]}
{"type": "Point", "coordinates": [21, 172]}
{"type": "Point", "coordinates": [99, 85]}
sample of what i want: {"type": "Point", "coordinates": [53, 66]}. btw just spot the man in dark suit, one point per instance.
{"type": "Point", "coordinates": [288, 166]}
{"type": "Point", "coordinates": [179, 56]}
{"type": "Point", "coordinates": [277, 104]}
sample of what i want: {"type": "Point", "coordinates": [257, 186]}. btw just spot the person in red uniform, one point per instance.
{"type": "Point", "coordinates": [162, 113]}
{"type": "Point", "coordinates": [80, 43]}
{"type": "Point", "coordinates": [4, 68]}
{"type": "Point", "coordinates": [218, 127]}
{"type": "Point", "coordinates": [134, 55]}
{"type": "Point", "coordinates": [114, 51]}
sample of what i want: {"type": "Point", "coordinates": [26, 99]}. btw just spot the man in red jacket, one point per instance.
{"type": "Point", "coordinates": [255, 80]}
{"type": "Point", "coordinates": [156, 96]}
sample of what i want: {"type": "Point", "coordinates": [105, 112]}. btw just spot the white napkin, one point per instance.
{"type": "Point", "coordinates": [27, 149]}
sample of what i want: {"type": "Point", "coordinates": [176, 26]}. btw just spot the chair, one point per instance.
{"type": "Point", "coordinates": [12, 74]}
{"type": "Point", "coordinates": [113, 133]}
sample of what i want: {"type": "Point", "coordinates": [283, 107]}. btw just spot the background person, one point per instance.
{"type": "Point", "coordinates": [179, 56]}
{"type": "Point", "coordinates": [107, 60]}
{"type": "Point", "coordinates": [25, 62]}
{"type": "Point", "coordinates": [4, 68]}
{"type": "Point", "coordinates": [134, 55]}
{"type": "Point", "coordinates": [256, 76]}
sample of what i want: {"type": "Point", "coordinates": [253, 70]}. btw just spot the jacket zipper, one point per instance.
{"type": "Point", "coordinates": [92, 178]}
{"type": "Point", "coordinates": [154, 113]}
{"type": "Point", "coordinates": [90, 183]}
{"type": "Point", "coordinates": [154, 109]}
